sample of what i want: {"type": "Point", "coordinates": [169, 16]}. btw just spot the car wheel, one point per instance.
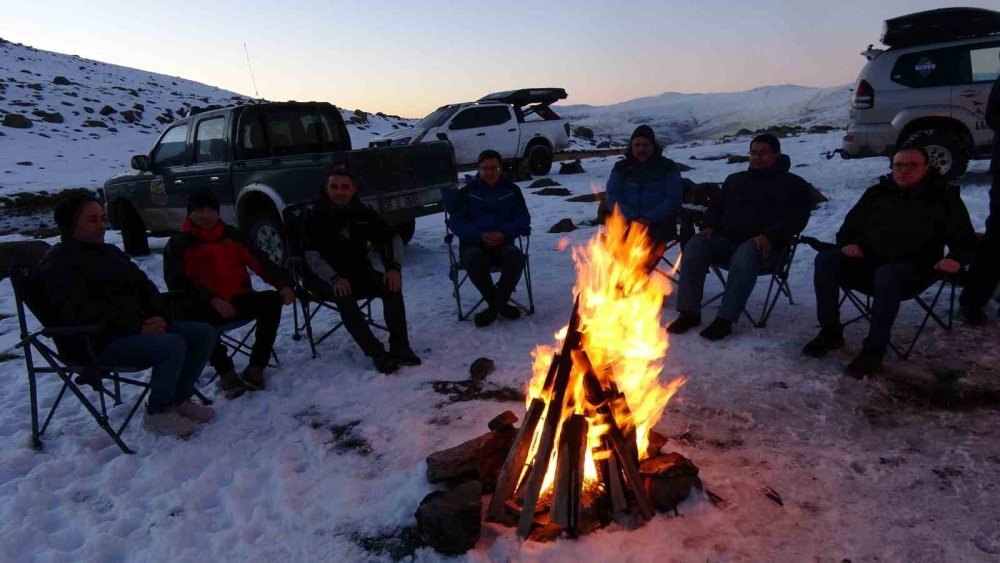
{"type": "Point", "coordinates": [267, 239]}
{"type": "Point", "coordinates": [540, 160]}
{"type": "Point", "coordinates": [945, 151]}
{"type": "Point", "coordinates": [133, 230]}
{"type": "Point", "coordinates": [406, 229]}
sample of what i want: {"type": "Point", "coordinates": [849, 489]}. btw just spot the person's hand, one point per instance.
{"type": "Point", "coordinates": [493, 238]}
{"type": "Point", "coordinates": [763, 245]}
{"type": "Point", "coordinates": [342, 287]}
{"type": "Point", "coordinates": [153, 325]}
{"type": "Point", "coordinates": [706, 232]}
{"type": "Point", "coordinates": [394, 281]}
{"type": "Point", "coordinates": [287, 295]}
{"type": "Point", "coordinates": [224, 308]}
{"type": "Point", "coordinates": [948, 266]}
{"type": "Point", "coordinates": [852, 251]}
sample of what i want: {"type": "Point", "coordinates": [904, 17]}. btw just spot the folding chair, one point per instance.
{"type": "Point", "coordinates": [458, 275]}
{"type": "Point", "coordinates": [310, 302]}
{"type": "Point", "coordinates": [26, 296]}
{"type": "Point", "coordinates": [239, 345]}
{"type": "Point", "coordinates": [690, 219]}
{"type": "Point", "coordinates": [777, 286]}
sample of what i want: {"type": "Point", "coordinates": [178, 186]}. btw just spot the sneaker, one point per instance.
{"type": "Point", "coordinates": [867, 363]}
{"type": "Point", "coordinates": [684, 322]}
{"type": "Point", "coordinates": [169, 423]}
{"type": "Point", "coordinates": [385, 363]}
{"type": "Point", "coordinates": [510, 312]}
{"type": "Point", "coordinates": [485, 317]}
{"type": "Point", "coordinates": [253, 378]}
{"type": "Point", "coordinates": [196, 412]}
{"type": "Point", "coordinates": [230, 385]}
{"type": "Point", "coordinates": [825, 341]}
{"type": "Point", "coordinates": [404, 356]}
{"type": "Point", "coordinates": [719, 329]}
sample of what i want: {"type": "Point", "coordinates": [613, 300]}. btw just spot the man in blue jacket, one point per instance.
{"type": "Point", "coordinates": [646, 187]}
{"type": "Point", "coordinates": [488, 215]}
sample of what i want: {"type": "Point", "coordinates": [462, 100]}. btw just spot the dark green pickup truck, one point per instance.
{"type": "Point", "coordinates": [262, 158]}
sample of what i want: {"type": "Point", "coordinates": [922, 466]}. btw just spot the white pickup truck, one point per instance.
{"type": "Point", "coordinates": [519, 124]}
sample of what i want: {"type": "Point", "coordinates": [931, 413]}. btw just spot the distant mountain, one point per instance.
{"type": "Point", "coordinates": [679, 117]}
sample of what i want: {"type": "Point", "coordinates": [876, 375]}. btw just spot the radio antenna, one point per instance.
{"type": "Point", "coordinates": [254, 80]}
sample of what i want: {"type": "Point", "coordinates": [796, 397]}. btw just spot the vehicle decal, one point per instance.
{"type": "Point", "coordinates": [157, 191]}
{"type": "Point", "coordinates": [925, 67]}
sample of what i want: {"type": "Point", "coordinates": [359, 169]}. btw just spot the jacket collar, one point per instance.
{"type": "Point", "coordinates": [205, 235]}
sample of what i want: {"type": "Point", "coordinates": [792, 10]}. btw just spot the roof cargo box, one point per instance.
{"type": "Point", "coordinates": [527, 96]}
{"type": "Point", "coordinates": [944, 24]}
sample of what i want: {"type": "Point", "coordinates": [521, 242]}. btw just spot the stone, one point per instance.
{"type": "Point", "coordinates": [451, 521]}
{"type": "Point", "coordinates": [25, 163]}
{"type": "Point", "coordinates": [48, 117]}
{"type": "Point", "coordinates": [479, 459]}
{"type": "Point", "coordinates": [62, 81]}
{"type": "Point", "coordinates": [681, 167]}
{"type": "Point", "coordinates": [554, 191]}
{"type": "Point", "coordinates": [94, 123]}
{"type": "Point", "coordinates": [575, 167]}
{"type": "Point", "coordinates": [107, 110]}
{"type": "Point", "coordinates": [584, 132]}
{"type": "Point", "coordinates": [737, 159]}
{"type": "Point", "coordinates": [604, 145]}
{"type": "Point", "coordinates": [131, 115]}
{"type": "Point", "coordinates": [816, 196]}
{"type": "Point", "coordinates": [563, 226]}
{"type": "Point", "coordinates": [138, 107]}
{"type": "Point", "coordinates": [480, 368]}
{"type": "Point", "coordinates": [543, 183]}
{"type": "Point", "coordinates": [656, 443]}
{"type": "Point", "coordinates": [16, 121]}
{"type": "Point", "coordinates": [587, 198]}
{"type": "Point", "coordinates": [669, 479]}
{"type": "Point", "coordinates": [506, 419]}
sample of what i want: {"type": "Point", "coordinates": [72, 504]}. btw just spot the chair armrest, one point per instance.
{"type": "Point", "coordinates": [69, 331]}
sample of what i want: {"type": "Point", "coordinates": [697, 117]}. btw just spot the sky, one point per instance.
{"type": "Point", "coordinates": [407, 58]}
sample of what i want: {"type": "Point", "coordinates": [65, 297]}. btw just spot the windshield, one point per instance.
{"type": "Point", "coordinates": [437, 118]}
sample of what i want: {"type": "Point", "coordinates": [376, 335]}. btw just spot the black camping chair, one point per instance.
{"type": "Point", "coordinates": [458, 275]}
{"type": "Point", "coordinates": [697, 198]}
{"type": "Point", "coordinates": [75, 376]}
{"type": "Point", "coordinates": [310, 301]}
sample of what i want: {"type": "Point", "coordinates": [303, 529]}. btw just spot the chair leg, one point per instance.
{"type": "Point", "coordinates": [307, 320]}
{"type": "Point", "coordinates": [36, 439]}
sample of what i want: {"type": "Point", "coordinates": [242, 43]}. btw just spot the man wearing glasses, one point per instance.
{"type": "Point", "coordinates": [890, 245]}
{"type": "Point", "coordinates": [489, 214]}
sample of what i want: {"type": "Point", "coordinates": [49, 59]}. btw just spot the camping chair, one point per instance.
{"type": "Point", "coordinates": [777, 272]}
{"type": "Point", "coordinates": [310, 302]}
{"type": "Point", "coordinates": [458, 275]}
{"type": "Point", "coordinates": [690, 220]}
{"type": "Point", "coordinates": [75, 376]}
{"type": "Point", "coordinates": [239, 345]}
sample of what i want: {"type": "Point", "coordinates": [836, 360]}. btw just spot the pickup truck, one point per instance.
{"type": "Point", "coordinates": [262, 158]}
{"type": "Point", "coordinates": [519, 124]}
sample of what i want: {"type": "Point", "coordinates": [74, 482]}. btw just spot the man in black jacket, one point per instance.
{"type": "Point", "coordinates": [88, 282]}
{"type": "Point", "coordinates": [891, 245]}
{"type": "Point", "coordinates": [746, 228]}
{"type": "Point", "coordinates": [336, 235]}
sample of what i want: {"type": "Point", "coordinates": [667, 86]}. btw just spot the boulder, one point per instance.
{"type": "Point", "coordinates": [16, 121]}
{"type": "Point", "coordinates": [506, 419]}
{"type": "Point", "coordinates": [584, 132]}
{"type": "Point", "coordinates": [563, 226]}
{"type": "Point", "coordinates": [737, 158]}
{"type": "Point", "coordinates": [480, 368]}
{"type": "Point", "coordinates": [587, 198]}
{"type": "Point", "coordinates": [575, 167]}
{"type": "Point", "coordinates": [554, 191]}
{"type": "Point", "coordinates": [604, 145]}
{"type": "Point", "coordinates": [479, 459]}
{"type": "Point", "coordinates": [62, 81]}
{"type": "Point", "coordinates": [138, 107]}
{"type": "Point", "coordinates": [94, 123]}
{"type": "Point", "coordinates": [451, 521]}
{"type": "Point", "coordinates": [107, 110]}
{"type": "Point", "coordinates": [816, 196]}
{"type": "Point", "coordinates": [131, 115]}
{"type": "Point", "coordinates": [681, 167]}
{"type": "Point", "coordinates": [48, 117]}
{"type": "Point", "coordinates": [543, 183]}
{"type": "Point", "coordinates": [669, 479]}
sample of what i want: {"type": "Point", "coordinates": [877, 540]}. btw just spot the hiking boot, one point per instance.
{"type": "Point", "coordinates": [867, 363]}
{"type": "Point", "coordinates": [509, 312]}
{"type": "Point", "coordinates": [485, 318]}
{"type": "Point", "coordinates": [684, 322]}
{"type": "Point", "coordinates": [826, 340]}
{"type": "Point", "coordinates": [404, 356]}
{"type": "Point", "coordinates": [230, 384]}
{"type": "Point", "coordinates": [253, 378]}
{"type": "Point", "coordinates": [719, 329]}
{"type": "Point", "coordinates": [196, 412]}
{"type": "Point", "coordinates": [385, 363]}
{"type": "Point", "coordinates": [169, 423]}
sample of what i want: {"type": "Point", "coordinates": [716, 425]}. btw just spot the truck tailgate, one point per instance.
{"type": "Point", "coordinates": [404, 179]}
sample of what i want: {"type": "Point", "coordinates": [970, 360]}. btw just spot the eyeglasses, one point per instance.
{"type": "Point", "coordinates": [907, 165]}
{"type": "Point", "coordinates": [761, 153]}
{"type": "Point", "coordinates": [489, 168]}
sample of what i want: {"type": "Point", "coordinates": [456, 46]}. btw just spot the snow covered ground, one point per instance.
{"type": "Point", "coordinates": [328, 463]}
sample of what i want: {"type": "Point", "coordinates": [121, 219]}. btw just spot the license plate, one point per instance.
{"type": "Point", "coordinates": [402, 202]}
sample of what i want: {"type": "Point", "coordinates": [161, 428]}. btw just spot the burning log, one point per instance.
{"type": "Point", "coordinates": [514, 463]}
{"type": "Point", "coordinates": [568, 496]}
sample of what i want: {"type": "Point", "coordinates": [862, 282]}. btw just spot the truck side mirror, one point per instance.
{"type": "Point", "coordinates": [442, 136]}
{"type": "Point", "coordinates": [140, 162]}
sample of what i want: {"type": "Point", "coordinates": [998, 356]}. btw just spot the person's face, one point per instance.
{"type": "Point", "coordinates": [489, 171]}
{"type": "Point", "coordinates": [204, 217]}
{"type": "Point", "coordinates": [762, 156]}
{"type": "Point", "coordinates": [642, 148]}
{"type": "Point", "coordinates": [340, 190]}
{"type": "Point", "coordinates": [908, 169]}
{"type": "Point", "coordinates": [91, 225]}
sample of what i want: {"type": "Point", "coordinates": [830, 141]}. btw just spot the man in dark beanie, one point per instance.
{"type": "Point", "coordinates": [207, 265]}
{"type": "Point", "coordinates": [88, 282]}
{"type": "Point", "coordinates": [646, 187]}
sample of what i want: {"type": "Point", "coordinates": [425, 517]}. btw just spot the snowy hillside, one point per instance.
{"type": "Point", "coordinates": [682, 117]}
{"type": "Point", "coordinates": [84, 119]}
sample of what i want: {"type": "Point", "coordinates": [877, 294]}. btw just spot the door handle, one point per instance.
{"type": "Point", "coordinates": [480, 134]}
{"type": "Point", "coordinates": [213, 179]}
{"type": "Point", "coordinates": [178, 182]}
{"type": "Point", "coordinates": [511, 130]}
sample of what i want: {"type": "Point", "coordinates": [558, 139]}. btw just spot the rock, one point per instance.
{"type": "Point", "coordinates": [480, 368]}
{"type": "Point", "coordinates": [563, 226]}
{"type": "Point", "coordinates": [94, 123]}
{"type": "Point", "coordinates": [669, 479]}
{"type": "Point", "coordinates": [62, 81]}
{"type": "Point", "coordinates": [16, 121]}
{"type": "Point", "coordinates": [656, 443]}
{"type": "Point", "coordinates": [586, 198]}
{"type": "Point", "coordinates": [681, 167]}
{"type": "Point", "coordinates": [604, 145]}
{"type": "Point", "coordinates": [505, 419]}
{"type": "Point", "coordinates": [25, 163]}
{"type": "Point", "coordinates": [543, 183]}
{"type": "Point", "coordinates": [107, 110]}
{"type": "Point", "coordinates": [575, 167]}
{"type": "Point", "coordinates": [479, 459]}
{"type": "Point", "coordinates": [737, 159]}
{"type": "Point", "coordinates": [362, 117]}
{"type": "Point", "coordinates": [36, 87]}
{"type": "Point", "coordinates": [30, 251]}
{"type": "Point", "coordinates": [88, 109]}
{"type": "Point", "coordinates": [584, 132]}
{"type": "Point", "coordinates": [131, 115]}
{"type": "Point", "coordinates": [48, 117]}
{"type": "Point", "coordinates": [164, 119]}
{"type": "Point", "coordinates": [816, 196]}
{"type": "Point", "coordinates": [554, 191]}
{"type": "Point", "coordinates": [820, 129]}
{"type": "Point", "coordinates": [139, 107]}
{"type": "Point", "coordinates": [744, 132]}
{"type": "Point", "coordinates": [451, 521]}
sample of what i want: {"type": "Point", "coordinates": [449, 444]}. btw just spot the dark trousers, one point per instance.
{"type": "Point", "coordinates": [984, 275]}
{"type": "Point", "coordinates": [744, 262]}
{"type": "Point", "coordinates": [479, 260]}
{"type": "Point", "coordinates": [393, 309]}
{"type": "Point", "coordinates": [889, 284]}
{"type": "Point", "coordinates": [261, 306]}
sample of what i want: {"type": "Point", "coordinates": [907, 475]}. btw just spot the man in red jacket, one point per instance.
{"type": "Point", "coordinates": [207, 264]}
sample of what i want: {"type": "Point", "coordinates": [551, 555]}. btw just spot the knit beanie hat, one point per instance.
{"type": "Point", "coordinates": [203, 198]}
{"type": "Point", "coordinates": [644, 131]}
{"type": "Point", "coordinates": [67, 212]}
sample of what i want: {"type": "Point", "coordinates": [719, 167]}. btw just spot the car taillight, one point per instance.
{"type": "Point", "coordinates": [864, 96]}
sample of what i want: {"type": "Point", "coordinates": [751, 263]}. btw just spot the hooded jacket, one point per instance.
{"type": "Point", "coordinates": [479, 209]}
{"type": "Point", "coordinates": [335, 240]}
{"type": "Point", "coordinates": [650, 190]}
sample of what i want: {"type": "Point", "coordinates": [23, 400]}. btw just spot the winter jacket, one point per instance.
{"type": "Point", "coordinates": [479, 209]}
{"type": "Point", "coordinates": [209, 263]}
{"type": "Point", "coordinates": [650, 190]}
{"type": "Point", "coordinates": [773, 202]}
{"type": "Point", "coordinates": [892, 225]}
{"type": "Point", "coordinates": [95, 284]}
{"type": "Point", "coordinates": [993, 122]}
{"type": "Point", "coordinates": [335, 240]}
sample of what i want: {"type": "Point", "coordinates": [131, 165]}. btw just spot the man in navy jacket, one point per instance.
{"type": "Point", "coordinates": [488, 215]}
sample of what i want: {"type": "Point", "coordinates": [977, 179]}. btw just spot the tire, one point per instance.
{"type": "Point", "coordinates": [406, 229]}
{"type": "Point", "coordinates": [133, 230]}
{"type": "Point", "coordinates": [540, 160]}
{"type": "Point", "coordinates": [946, 149]}
{"type": "Point", "coordinates": [266, 238]}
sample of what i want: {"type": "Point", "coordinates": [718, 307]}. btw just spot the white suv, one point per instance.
{"type": "Point", "coordinates": [929, 88]}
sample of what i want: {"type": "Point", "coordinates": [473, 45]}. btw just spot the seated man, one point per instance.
{"type": "Point", "coordinates": [646, 187]}
{"type": "Point", "coordinates": [488, 215]}
{"type": "Point", "coordinates": [87, 282]}
{"type": "Point", "coordinates": [890, 245]}
{"type": "Point", "coordinates": [336, 235]}
{"type": "Point", "coordinates": [745, 228]}
{"type": "Point", "coordinates": [206, 264]}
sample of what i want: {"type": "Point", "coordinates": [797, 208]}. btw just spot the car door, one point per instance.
{"type": "Point", "coordinates": [980, 67]}
{"type": "Point", "coordinates": [209, 168]}
{"type": "Point", "coordinates": [467, 133]}
{"type": "Point", "coordinates": [167, 195]}
{"type": "Point", "coordinates": [502, 131]}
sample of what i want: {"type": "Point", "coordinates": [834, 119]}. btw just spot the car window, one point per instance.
{"type": "Point", "coordinates": [481, 117]}
{"type": "Point", "coordinates": [323, 132]}
{"type": "Point", "coordinates": [984, 63]}
{"type": "Point", "coordinates": [253, 141]}
{"type": "Point", "coordinates": [925, 69]}
{"type": "Point", "coordinates": [210, 140]}
{"type": "Point", "coordinates": [172, 150]}
{"type": "Point", "coordinates": [293, 130]}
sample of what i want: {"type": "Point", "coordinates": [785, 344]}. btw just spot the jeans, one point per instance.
{"type": "Point", "coordinates": [479, 260]}
{"type": "Point", "coordinates": [354, 320]}
{"type": "Point", "coordinates": [984, 275]}
{"type": "Point", "coordinates": [261, 306]}
{"type": "Point", "coordinates": [743, 260]}
{"type": "Point", "coordinates": [177, 357]}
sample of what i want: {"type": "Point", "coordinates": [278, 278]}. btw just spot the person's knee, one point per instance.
{"type": "Point", "coordinates": [166, 346]}
{"type": "Point", "coordinates": [746, 257]}
{"type": "Point", "coordinates": [696, 251]}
